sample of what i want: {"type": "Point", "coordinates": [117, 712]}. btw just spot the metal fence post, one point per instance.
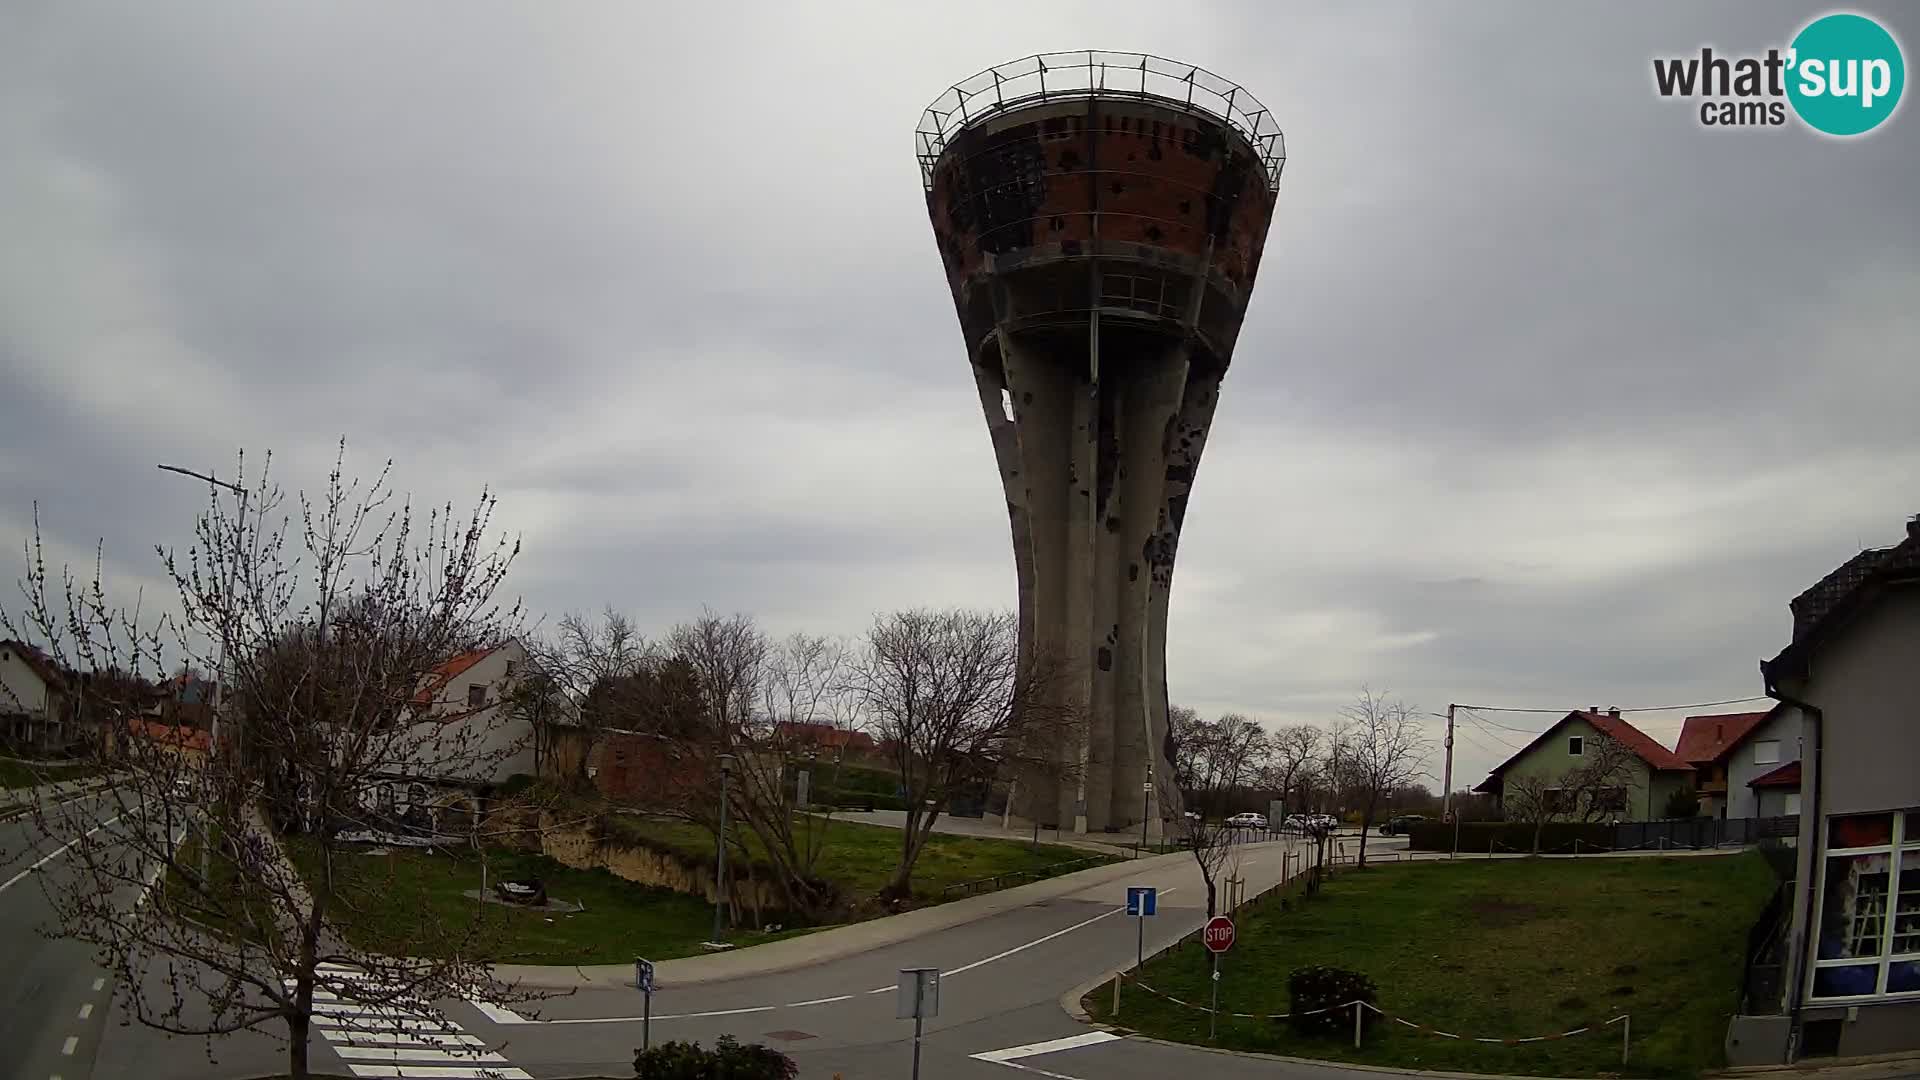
{"type": "Point", "coordinates": [1626, 1037]}
{"type": "Point", "coordinates": [1116, 994]}
{"type": "Point", "coordinates": [1356, 1024]}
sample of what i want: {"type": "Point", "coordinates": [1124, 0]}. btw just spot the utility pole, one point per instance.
{"type": "Point", "coordinates": [1446, 784]}
{"type": "Point", "coordinates": [720, 860]}
{"type": "Point", "coordinates": [220, 684]}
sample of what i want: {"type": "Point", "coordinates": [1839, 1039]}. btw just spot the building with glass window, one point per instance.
{"type": "Point", "coordinates": [1851, 674]}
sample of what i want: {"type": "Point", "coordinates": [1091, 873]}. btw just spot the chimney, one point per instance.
{"type": "Point", "coordinates": [1593, 708]}
{"type": "Point", "coordinates": [1719, 731]}
{"type": "Point", "coordinates": [1614, 712]}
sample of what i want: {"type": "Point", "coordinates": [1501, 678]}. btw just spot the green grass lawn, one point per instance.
{"type": "Point", "coordinates": [1505, 948]}
{"type": "Point", "coordinates": [411, 902]}
{"type": "Point", "coordinates": [861, 857]}
{"type": "Point", "coordinates": [18, 774]}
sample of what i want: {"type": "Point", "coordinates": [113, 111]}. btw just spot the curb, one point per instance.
{"type": "Point", "coordinates": [1870, 1065]}
{"type": "Point", "coordinates": [823, 946]}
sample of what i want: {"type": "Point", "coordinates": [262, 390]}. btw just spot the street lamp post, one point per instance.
{"type": "Point", "coordinates": [720, 861]}
{"type": "Point", "coordinates": [1146, 805]}
{"type": "Point", "coordinates": [226, 634]}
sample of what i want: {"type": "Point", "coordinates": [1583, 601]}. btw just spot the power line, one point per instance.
{"type": "Point", "coordinates": [1643, 708]}
{"type": "Point", "coordinates": [1488, 732]}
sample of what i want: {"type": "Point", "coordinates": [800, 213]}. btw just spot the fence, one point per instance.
{"type": "Point", "coordinates": [1761, 984]}
{"type": "Point", "coordinates": [1573, 837]}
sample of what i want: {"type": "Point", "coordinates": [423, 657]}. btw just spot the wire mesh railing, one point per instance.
{"type": "Point", "coordinates": [1096, 73]}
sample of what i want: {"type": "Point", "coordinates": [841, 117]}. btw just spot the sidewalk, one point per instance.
{"type": "Point", "coordinates": [989, 827]}
{"type": "Point", "coordinates": [838, 942]}
{"type": "Point", "coordinates": [16, 801]}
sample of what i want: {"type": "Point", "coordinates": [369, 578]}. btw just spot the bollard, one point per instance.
{"type": "Point", "coordinates": [1356, 1024]}
{"type": "Point", "coordinates": [1116, 994]}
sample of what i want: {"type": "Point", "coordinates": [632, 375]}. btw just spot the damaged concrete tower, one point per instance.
{"type": "Point", "coordinates": [1101, 217]}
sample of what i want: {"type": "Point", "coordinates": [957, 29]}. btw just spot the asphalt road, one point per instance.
{"type": "Point", "coordinates": [53, 999]}
{"type": "Point", "coordinates": [1002, 979]}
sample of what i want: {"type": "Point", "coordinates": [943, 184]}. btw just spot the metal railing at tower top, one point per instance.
{"type": "Point", "coordinates": [1094, 73]}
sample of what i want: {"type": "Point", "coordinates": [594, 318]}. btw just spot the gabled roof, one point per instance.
{"type": "Point", "coordinates": [1706, 739]}
{"type": "Point", "coordinates": [1786, 776]}
{"type": "Point", "coordinates": [449, 670]}
{"type": "Point", "coordinates": [1835, 599]}
{"type": "Point", "coordinates": [38, 662]}
{"type": "Point", "coordinates": [1638, 742]}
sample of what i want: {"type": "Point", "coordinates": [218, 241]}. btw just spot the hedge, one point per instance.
{"type": "Point", "coordinates": [1511, 835]}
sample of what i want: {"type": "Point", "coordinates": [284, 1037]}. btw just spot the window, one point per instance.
{"type": "Point", "coordinates": [1868, 921]}
{"type": "Point", "coordinates": [1610, 799]}
{"type": "Point", "coordinates": [1793, 803]}
{"type": "Point", "coordinates": [476, 695]}
{"type": "Point", "coordinates": [509, 669]}
{"type": "Point", "coordinates": [1557, 801]}
{"type": "Point", "coordinates": [1576, 745]}
{"type": "Point", "coordinates": [1766, 752]}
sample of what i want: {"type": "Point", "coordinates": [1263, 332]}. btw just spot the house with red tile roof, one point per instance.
{"type": "Point", "coordinates": [1730, 750]}
{"type": "Point", "coordinates": [1651, 775]}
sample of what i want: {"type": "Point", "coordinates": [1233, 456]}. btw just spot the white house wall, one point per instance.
{"type": "Point", "coordinates": [1783, 726]}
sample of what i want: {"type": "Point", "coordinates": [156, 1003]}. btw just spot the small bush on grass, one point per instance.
{"type": "Point", "coordinates": [1313, 989]}
{"type": "Point", "coordinates": [728, 1060]}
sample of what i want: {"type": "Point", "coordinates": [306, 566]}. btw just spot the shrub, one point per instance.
{"type": "Point", "coordinates": [1683, 803]}
{"type": "Point", "coordinates": [1312, 989]}
{"type": "Point", "coordinates": [513, 785]}
{"type": "Point", "coordinates": [728, 1060]}
{"type": "Point", "coordinates": [1511, 835]}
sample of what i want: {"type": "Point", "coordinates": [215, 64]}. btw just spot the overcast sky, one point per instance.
{"type": "Point", "coordinates": [1547, 395]}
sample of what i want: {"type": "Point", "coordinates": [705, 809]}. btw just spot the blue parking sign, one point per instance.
{"type": "Point", "coordinates": [1142, 900]}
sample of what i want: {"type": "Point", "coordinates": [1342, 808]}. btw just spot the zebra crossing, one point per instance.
{"type": "Point", "coordinates": [400, 1040]}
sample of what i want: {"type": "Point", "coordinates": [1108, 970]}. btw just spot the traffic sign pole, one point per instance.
{"type": "Point", "coordinates": [643, 978]}
{"type": "Point", "coordinates": [1214, 1013]}
{"type": "Point", "coordinates": [1140, 949]}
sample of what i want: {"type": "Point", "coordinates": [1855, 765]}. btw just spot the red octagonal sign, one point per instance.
{"type": "Point", "coordinates": [1218, 935]}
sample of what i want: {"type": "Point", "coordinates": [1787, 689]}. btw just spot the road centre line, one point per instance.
{"type": "Point", "coordinates": [55, 853]}
{"type": "Point", "coordinates": [510, 1017]}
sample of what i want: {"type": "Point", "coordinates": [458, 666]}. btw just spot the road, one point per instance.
{"type": "Point", "coordinates": [53, 999]}
{"type": "Point", "coordinates": [1003, 976]}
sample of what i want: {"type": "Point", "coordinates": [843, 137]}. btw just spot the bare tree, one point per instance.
{"type": "Point", "coordinates": [1531, 799]}
{"type": "Point", "coordinates": [1293, 754]}
{"type": "Point", "coordinates": [1219, 757]}
{"type": "Point", "coordinates": [330, 639]}
{"type": "Point", "coordinates": [1597, 787]}
{"type": "Point", "coordinates": [590, 675]}
{"type": "Point", "coordinates": [956, 705]}
{"type": "Point", "coordinates": [1384, 747]}
{"type": "Point", "coordinates": [1593, 790]}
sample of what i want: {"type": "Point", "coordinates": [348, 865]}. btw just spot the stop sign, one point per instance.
{"type": "Point", "coordinates": [1218, 935]}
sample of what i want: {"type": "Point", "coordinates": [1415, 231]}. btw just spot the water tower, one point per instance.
{"type": "Point", "coordinates": [1101, 217]}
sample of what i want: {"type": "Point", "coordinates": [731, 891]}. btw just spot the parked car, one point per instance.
{"type": "Point", "coordinates": [1400, 824]}
{"type": "Point", "coordinates": [1248, 820]}
{"type": "Point", "coordinates": [1326, 821]}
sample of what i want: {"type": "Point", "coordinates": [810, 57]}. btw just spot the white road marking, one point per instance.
{"type": "Point", "coordinates": [669, 1016]}
{"type": "Point", "coordinates": [450, 1071]}
{"type": "Point", "coordinates": [66, 1048]}
{"type": "Point", "coordinates": [398, 1054]}
{"type": "Point", "coordinates": [158, 869]}
{"type": "Point", "coordinates": [1012, 1053]}
{"type": "Point", "coordinates": [86, 1010]}
{"type": "Point", "coordinates": [99, 984]}
{"type": "Point", "coordinates": [499, 1014]}
{"type": "Point", "coordinates": [884, 989]}
{"type": "Point", "coordinates": [55, 853]}
{"type": "Point", "coordinates": [401, 1038]}
{"type": "Point", "coordinates": [819, 1001]}
{"type": "Point", "coordinates": [351, 1037]}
